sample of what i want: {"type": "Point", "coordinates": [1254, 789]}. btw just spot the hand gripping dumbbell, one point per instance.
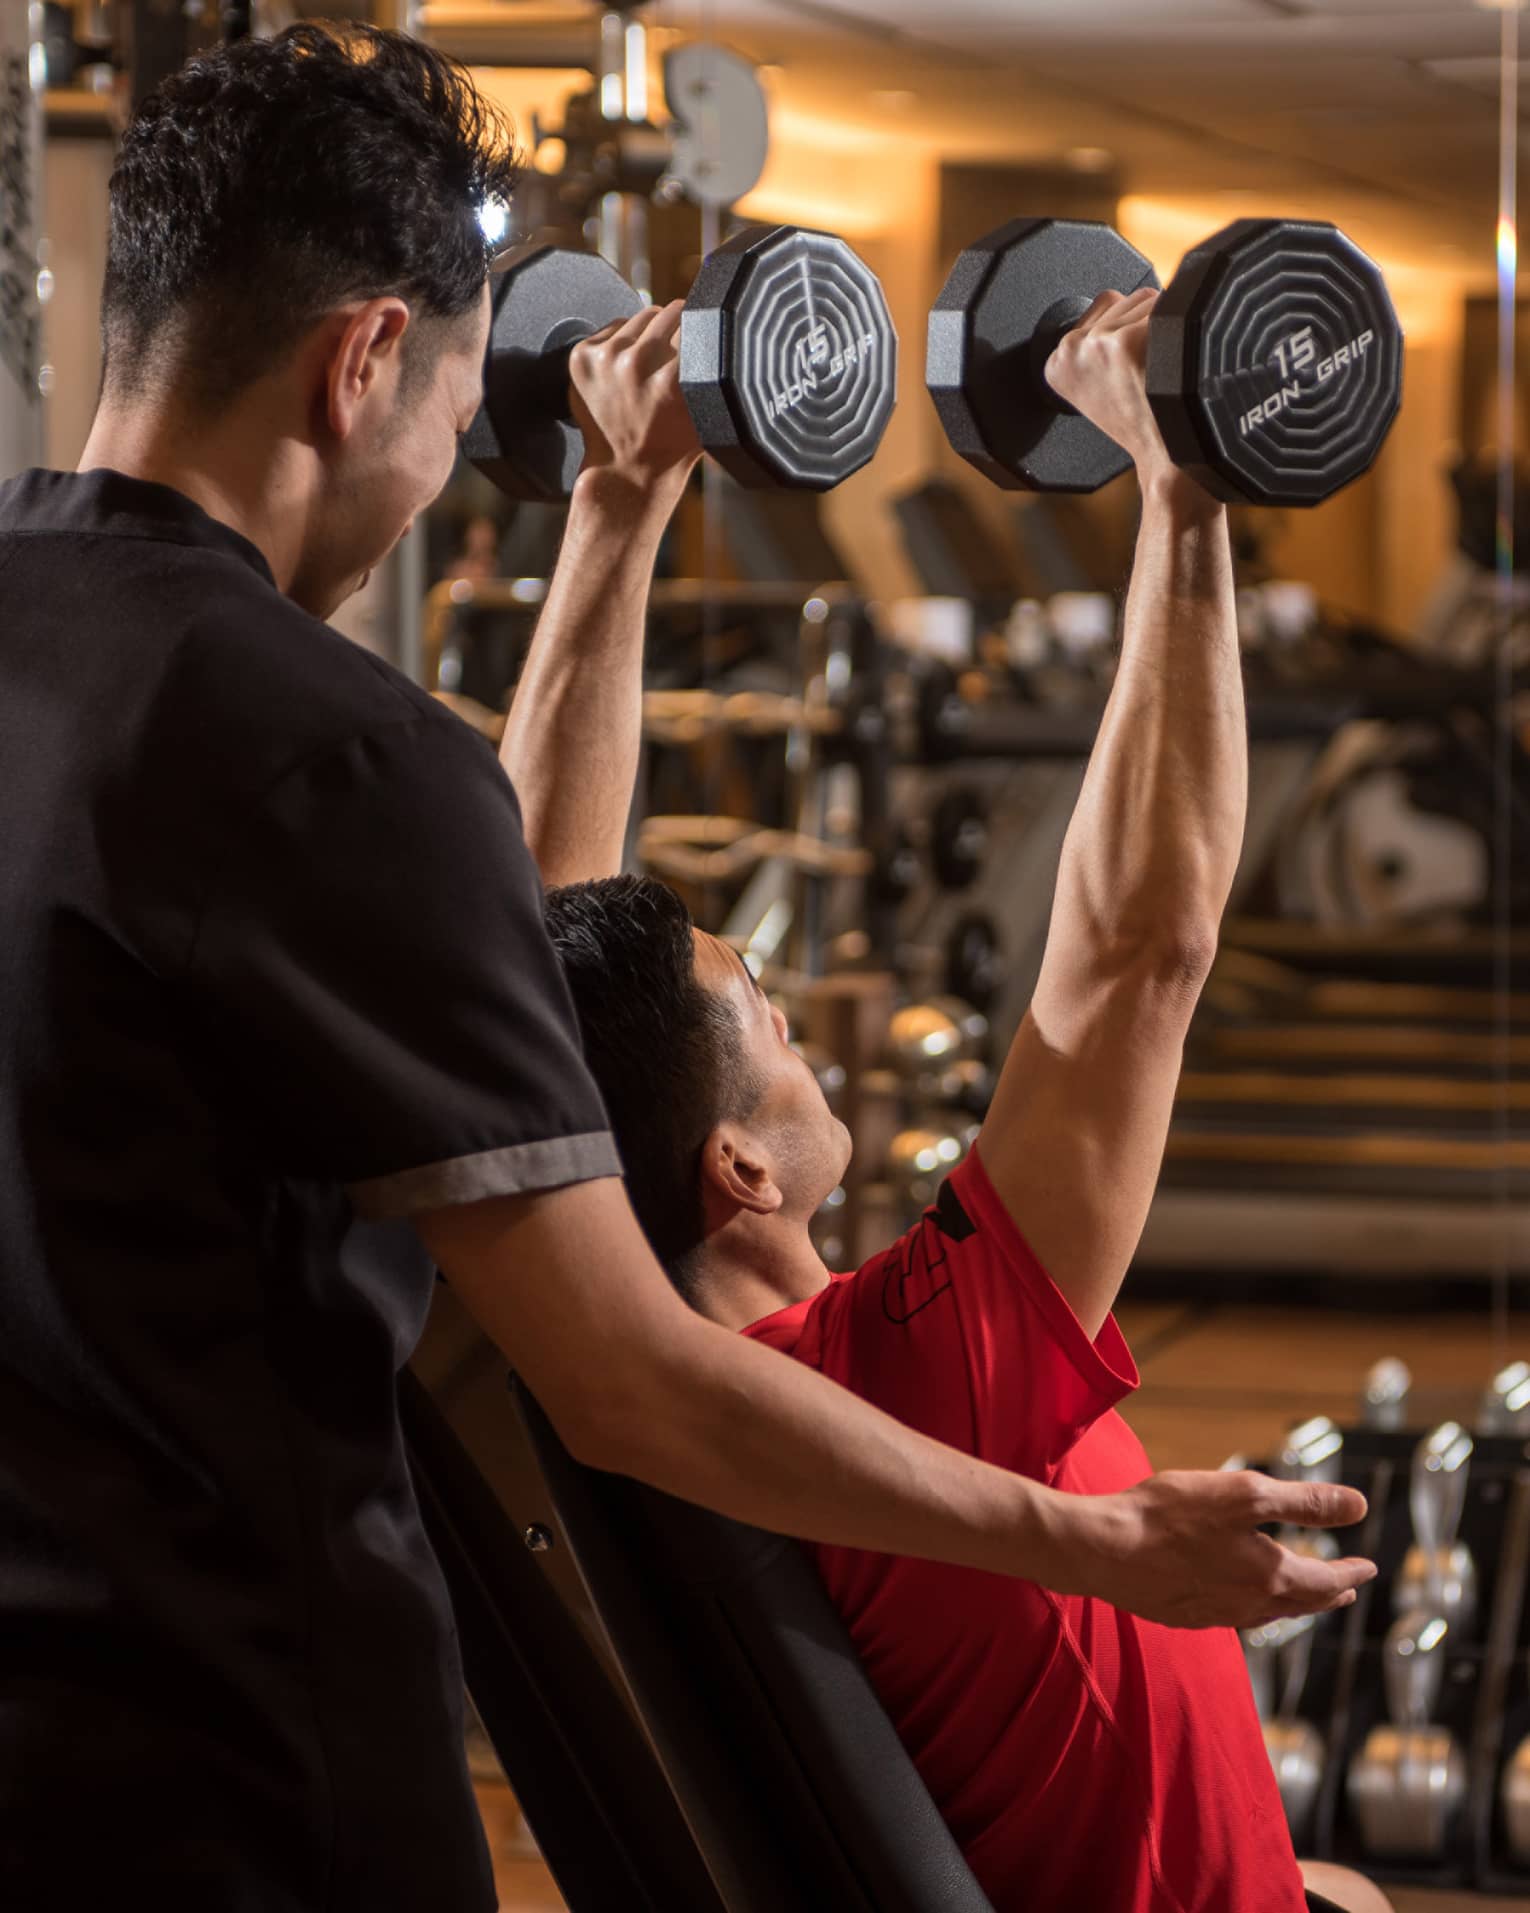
{"type": "Point", "coordinates": [788, 361]}
{"type": "Point", "coordinates": [1274, 362]}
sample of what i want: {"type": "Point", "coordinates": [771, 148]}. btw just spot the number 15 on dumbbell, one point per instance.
{"type": "Point", "coordinates": [1274, 362]}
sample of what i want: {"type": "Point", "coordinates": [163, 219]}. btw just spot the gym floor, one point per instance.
{"type": "Point", "coordinates": [1216, 1379]}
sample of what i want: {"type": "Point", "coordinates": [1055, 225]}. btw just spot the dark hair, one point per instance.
{"type": "Point", "coordinates": [269, 181]}
{"type": "Point", "coordinates": [666, 1052]}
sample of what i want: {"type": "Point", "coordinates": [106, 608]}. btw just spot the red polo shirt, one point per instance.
{"type": "Point", "coordinates": [1085, 1760]}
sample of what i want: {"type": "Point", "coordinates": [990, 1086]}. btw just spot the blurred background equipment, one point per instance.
{"type": "Point", "coordinates": [868, 706]}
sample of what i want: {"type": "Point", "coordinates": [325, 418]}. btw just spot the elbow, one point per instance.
{"type": "Point", "coordinates": [606, 1428]}
{"type": "Point", "coordinates": [593, 1435]}
{"type": "Point", "coordinates": [1183, 953]}
{"type": "Point", "coordinates": [1170, 958]}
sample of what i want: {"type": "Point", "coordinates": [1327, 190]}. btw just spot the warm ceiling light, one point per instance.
{"type": "Point", "coordinates": [1502, 6]}
{"type": "Point", "coordinates": [895, 99]}
{"type": "Point", "coordinates": [1089, 159]}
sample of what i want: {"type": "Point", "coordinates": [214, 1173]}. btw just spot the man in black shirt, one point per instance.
{"type": "Point", "coordinates": [280, 1031]}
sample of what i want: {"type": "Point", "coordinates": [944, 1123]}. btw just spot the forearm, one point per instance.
{"type": "Point", "coordinates": [1154, 843]}
{"type": "Point", "coordinates": [635, 1381]}
{"type": "Point", "coordinates": [575, 729]}
{"type": "Point", "coordinates": [772, 1442]}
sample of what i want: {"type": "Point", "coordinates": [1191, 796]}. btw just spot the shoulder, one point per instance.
{"type": "Point", "coordinates": [253, 688]}
{"type": "Point", "coordinates": [264, 667]}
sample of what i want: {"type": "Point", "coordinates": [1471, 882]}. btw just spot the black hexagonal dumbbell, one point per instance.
{"type": "Point", "coordinates": [1274, 358]}
{"type": "Point", "coordinates": [788, 361]}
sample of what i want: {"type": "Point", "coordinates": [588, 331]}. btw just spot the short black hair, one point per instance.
{"type": "Point", "coordinates": [268, 181]}
{"type": "Point", "coordinates": [666, 1052]}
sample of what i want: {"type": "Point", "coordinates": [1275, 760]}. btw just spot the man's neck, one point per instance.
{"type": "Point", "coordinates": [749, 1272]}
{"type": "Point", "coordinates": [242, 479]}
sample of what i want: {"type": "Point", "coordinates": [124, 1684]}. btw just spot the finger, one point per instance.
{"type": "Point", "coordinates": [1104, 304]}
{"type": "Point", "coordinates": [622, 334]}
{"type": "Point", "coordinates": [1130, 309]}
{"type": "Point", "coordinates": [1111, 310]}
{"type": "Point", "coordinates": [1311, 1585]}
{"type": "Point", "coordinates": [1304, 1504]}
{"type": "Point", "coordinates": [658, 343]}
{"type": "Point", "coordinates": [1299, 1606]}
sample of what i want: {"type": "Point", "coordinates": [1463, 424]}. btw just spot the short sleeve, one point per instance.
{"type": "Point", "coordinates": [958, 1331]}
{"type": "Point", "coordinates": [380, 996]}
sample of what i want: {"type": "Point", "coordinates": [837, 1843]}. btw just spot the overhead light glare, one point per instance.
{"type": "Point", "coordinates": [494, 219]}
{"type": "Point", "coordinates": [1089, 159]}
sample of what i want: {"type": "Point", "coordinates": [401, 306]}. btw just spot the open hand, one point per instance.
{"type": "Point", "coordinates": [1185, 1549]}
{"type": "Point", "coordinates": [627, 401]}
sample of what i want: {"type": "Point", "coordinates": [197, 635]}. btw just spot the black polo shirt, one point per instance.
{"type": "Point", "coordinates": [272, 978]}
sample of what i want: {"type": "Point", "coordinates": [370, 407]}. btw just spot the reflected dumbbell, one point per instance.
{"type": "Point", "coordinates": [959, 837]}
{"type": "Point", "coordinates": [1279, 1656]}
{"type": "Point", "coordinates": [919, 1160]}
{"type": "Point", "coordinates": [828, 1071]}
{"type": "Point", "coordinates": [1505, 1405]}
{"type": "Point", "coordinates": [827, 1229]}
{"type": "Point", "coordinates": [1311, 1450]}
{"type": "Point", "coordinates": [974, 960]}
{"type": "Point", "coordinates": [1514, 1797]}
{"type": "Point", "coordinates": [1408, 1782]}
{"type": "Point", "coordinates": [965, 1086]}
{"type": "Point", "coordinates": [1438, 1574]}
{"type": "Point", "coordinates": [1384, 1398]}
{"type": "Point", "coordinates": [923, 1039]}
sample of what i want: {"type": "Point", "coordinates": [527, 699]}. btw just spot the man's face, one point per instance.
{"type": "Point", "coordinates": [808, 1147]}
{"type": "Point", "coordinates": [397, 459]}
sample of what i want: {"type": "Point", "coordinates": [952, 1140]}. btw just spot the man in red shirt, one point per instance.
{"type": "Point", "coordinates": [1083, 1758]}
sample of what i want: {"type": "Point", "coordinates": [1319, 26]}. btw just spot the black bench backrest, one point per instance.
{"type": "Point", "coordinates": [795, 1785]}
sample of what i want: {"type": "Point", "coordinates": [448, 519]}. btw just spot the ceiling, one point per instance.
{"type": "Point", "coordinates": [1382, 114]}
{"type": "Point", "coordinates": [1379, 114]}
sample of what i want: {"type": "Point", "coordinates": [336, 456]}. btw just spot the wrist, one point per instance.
{"type": "Point", "coordinates": [1059, 1540]}
{"type": "Point", "coordinates": [628, 501]}
{"type": "Point", "coordinates": [1169, 492]}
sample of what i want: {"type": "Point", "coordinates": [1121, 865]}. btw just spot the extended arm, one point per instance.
{"type": "Point", "coordinates": [572, 740]}
{"type": "Point", "coordinates": [635, 1380]}
{"type": "Point", "coordinates": [1075, 1137]}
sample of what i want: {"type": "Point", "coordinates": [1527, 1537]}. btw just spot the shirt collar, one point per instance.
{"type": "Point", "coordinates": [110, 505]}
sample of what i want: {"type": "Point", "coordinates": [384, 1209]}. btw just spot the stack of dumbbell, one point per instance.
{"type": "Point", "coordinates": [1399, 1729]}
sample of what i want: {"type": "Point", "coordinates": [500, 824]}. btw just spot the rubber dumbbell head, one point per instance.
{"type": "Point", "coordinates": [1275, 362]}
{"type": "Point", "coordinates": [544, 301]}
{"type": "Point", "coordinates": [788, 358]}
{"type": "Point", "coordinates": [1006, 305]}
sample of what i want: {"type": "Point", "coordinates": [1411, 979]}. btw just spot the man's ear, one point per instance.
{"type": "Point", "coordinates": [734, 1173]}
{"type": "Point", "coordinates": [364, 353]}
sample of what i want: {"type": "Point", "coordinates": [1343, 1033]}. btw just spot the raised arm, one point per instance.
{"type": "Point", "coordinates": [571, 743]}
{"type": "Point", "coordinates": [1075, 1138]}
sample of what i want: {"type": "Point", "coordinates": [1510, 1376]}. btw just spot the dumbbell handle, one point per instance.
{"type": "Point", "coordinates": [1056, 323]}
{"type": "Point", "coordinates": [553, 370]}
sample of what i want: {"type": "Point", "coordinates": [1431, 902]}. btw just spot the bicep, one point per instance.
{"type": "Point", "coordinates": [1074, 1140]}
